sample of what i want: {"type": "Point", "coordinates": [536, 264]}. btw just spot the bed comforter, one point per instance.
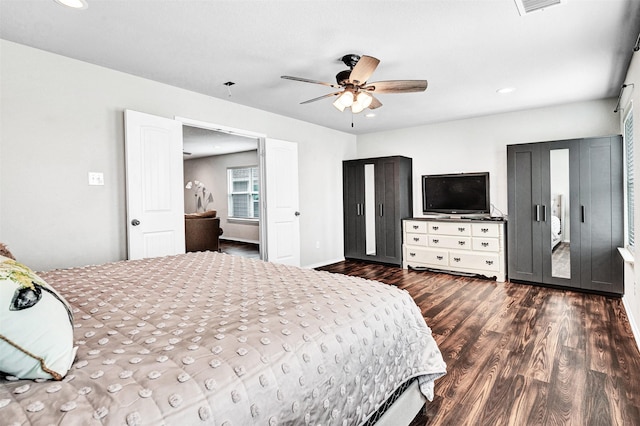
{"type": "Point", "coordinates": [209, 338]}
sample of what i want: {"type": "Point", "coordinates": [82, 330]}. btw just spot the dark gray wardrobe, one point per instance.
{"type": "Point", "coordinates": [377, 196]}
{"type": "Point", "coordinates": [566, 213]}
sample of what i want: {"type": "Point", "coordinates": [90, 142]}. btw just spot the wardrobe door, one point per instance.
{"type": "Point", "coordinates": [393, 203]}
{"type": "Point", "coordinates": [353, 205]}
{"type": "Point", "coordinates": [525, 210]}
{"type": "Point", "coordinates": [601, 205]}
{"type": "Point", "coordinates": [386, 210]}
{"type": "Point", "coordinates": [560, 180]}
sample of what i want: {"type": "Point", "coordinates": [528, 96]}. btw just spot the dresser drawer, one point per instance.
{"type": "Point", "coordinates": [482, 261]}
{"type": "Point", "coordinates": [415, 226]}
{"type": "Point", "coordinates": [445, 228]}
{"type": "Point", "coordinates": [485, 230]}
{"type": "Point", "coordinates": [486, 244]}
{"type": "Point", "coordinates": [416, 239]}
{"type": "Point", "coordinates": [426, 255]}
{"type": "Point", "coordinates": [450, 242]}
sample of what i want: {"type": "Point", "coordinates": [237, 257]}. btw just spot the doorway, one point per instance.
{"type": "Point", "coordinates": [163, 187]}
{"type": "Point", "coordinates": [221, 179]}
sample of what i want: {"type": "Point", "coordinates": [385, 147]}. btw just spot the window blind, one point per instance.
{"type": "Point", "coordinates": [629, 166]}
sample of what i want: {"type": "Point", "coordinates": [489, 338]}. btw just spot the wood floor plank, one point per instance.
{"type": "Point", "coordinates": [543, 353]}
{"type": "Point", "coordinates": [486, 402]}
{"type": "Point", "coordinates": [519, 354]}
{"type": "Point", "coordinates": [598, 342]}
{"type": "Point", "coordinates": [530, 406]}
{"type": "Point", "coordinates": [596, 401]}
{"type": "Point", "coordinates": [565, 388]}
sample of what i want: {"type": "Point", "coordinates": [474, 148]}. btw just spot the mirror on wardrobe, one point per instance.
{"type": "Point", "coordinates": [559, 213]}
{"type": "Point", "coordinates": [370, 208]}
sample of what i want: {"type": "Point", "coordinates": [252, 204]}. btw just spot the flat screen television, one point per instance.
{"type": "Point", "coordinates": [462, 193]}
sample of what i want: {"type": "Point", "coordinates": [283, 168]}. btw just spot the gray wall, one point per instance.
{"type": "Point", "coordinates": [480, 144]}
{"type": "Point", "coordinates": [631, 297]}
{"type": "Point", "coordinates": [62, 118]}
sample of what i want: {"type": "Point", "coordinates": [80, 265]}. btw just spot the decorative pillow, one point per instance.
{"type": "Point", "coordinates": [4, 251]}
{"type": "Point", "coordinates": [208, 213]}
{"type": "Point", "coordinates": [36, 325]}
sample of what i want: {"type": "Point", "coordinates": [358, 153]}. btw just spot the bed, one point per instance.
{"type": "Point", "coordinates": [210, 338]}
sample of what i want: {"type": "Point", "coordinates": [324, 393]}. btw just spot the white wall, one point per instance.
{"type": "Point", "coordinates": [212, 171]}
{"type": "Point", "coordinates": [62, 118]}
{"type": "Point", "coordinates": [480, 144]}
{"type": "Point", "coordinates": [631, 97]}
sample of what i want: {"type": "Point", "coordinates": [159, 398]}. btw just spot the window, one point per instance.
{"type": "Point", "coordinates": [244, 200]}
{"type": "Point", "coordinates": [630, 196]}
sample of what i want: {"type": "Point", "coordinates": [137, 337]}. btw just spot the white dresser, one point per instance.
{"type": "Point", "coordinates": [449, 245]}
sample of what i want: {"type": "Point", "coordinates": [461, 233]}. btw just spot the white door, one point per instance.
{"type": "Point", "coordinates": [280, 202]}
{"type": "Point", "coordinates": [155, 196]}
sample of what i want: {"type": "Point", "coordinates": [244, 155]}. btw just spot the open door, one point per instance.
{"type": "Point", "coordinates": [155, 196]}
{"type": "Point", "coordinates": [280, 201]}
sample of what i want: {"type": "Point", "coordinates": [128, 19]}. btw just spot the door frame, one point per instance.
{"type": "Point", "coordinates": [261, 167]}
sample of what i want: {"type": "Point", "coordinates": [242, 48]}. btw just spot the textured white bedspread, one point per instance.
{"type": "Point", "coordinates": [209, 338]}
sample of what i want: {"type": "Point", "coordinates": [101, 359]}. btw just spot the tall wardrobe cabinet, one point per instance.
{"type": "Point", "coordinates": [377, 196]}
{"type": "Point", "coordinates": [566, 213]}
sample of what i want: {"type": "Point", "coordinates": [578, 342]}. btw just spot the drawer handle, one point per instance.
{"type": "Point", "coordinates": [485, 244]}
{"type": "Point", "coordinates": [416, 226]}
{"type": "Point", "coordinates": [485, 230]}
{"type": "Point", "coordinates": [489, 262]}
{"type": "Point", "coordinates": [435, 241]}
{"type": "Point", "coordinates": [435, 228]}
{"type": "Point", "coordinates": [439, 257]}
{"type": "Point", "coordinates": [412, 254]}
{"type": "Point", "coordinates": [461, 229]}
{"type": "Point", "coordinates": [461, 243]}
{"type": "Point", "coordinates": [416, 238]}
{"type": "Point", "coordinates": [456, 259]}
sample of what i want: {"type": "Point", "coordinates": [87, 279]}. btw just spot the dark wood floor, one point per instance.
{"type": "Point", "coordinates": [519, 354]}
{"type": "Point", "coordinates": [240, 248]}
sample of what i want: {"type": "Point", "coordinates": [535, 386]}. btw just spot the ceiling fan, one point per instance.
{"type": "Point", "coordinates": [356, 93]}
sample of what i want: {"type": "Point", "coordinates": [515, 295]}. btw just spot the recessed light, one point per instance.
{"type": "Point", "coordinates": [506, 90]}
{"type": "Point", "coordinates": [74, 4]}
{"type": "Point", "coordinates": [370, 115]}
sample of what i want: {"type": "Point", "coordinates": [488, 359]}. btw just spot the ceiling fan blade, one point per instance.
{"type": "Point", "coordinates": [375, 103]}
{"type": "Point", "coordinates": [397, 86]}
{"type": "Point", "coordinates": [363, 69]}
{"type": "Point", "coordinates": [321, 97]}
{"type": "Point", "coordinates": [306, 80]}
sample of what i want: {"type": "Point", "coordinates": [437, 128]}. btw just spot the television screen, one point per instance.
{"type": "Point", "coordinates": [456, 193]}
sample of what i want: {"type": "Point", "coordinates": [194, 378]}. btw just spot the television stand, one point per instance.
{"type": "Point", "coordinates": [475, 216]}
{"type": "Point", "coordinates": [455, 245]}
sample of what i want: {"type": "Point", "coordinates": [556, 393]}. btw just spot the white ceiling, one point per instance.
{"type": "Point", "coordinates": [198, 142]}
{"type": "Point", "coordinates": [467, 50]}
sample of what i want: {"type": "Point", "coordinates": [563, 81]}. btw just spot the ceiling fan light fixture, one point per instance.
{"type": "Point", "coordinates": [364, 99]}
{"type": "Point", "coordinates": [356, 107]}
{"type": "Point", "coordinates": [346, 98]}
{"type": "Point", "coordinates": [339, 105]}
{"type": "Point", "coordinates": [74, 4]}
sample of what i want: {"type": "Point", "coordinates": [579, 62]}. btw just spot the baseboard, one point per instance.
{"type": "Point", "coordinates": [321, 264]}
{"type": "Point", "coordinates": [240, 240]}
{"type": "Point", "coordinates": [632, 322]}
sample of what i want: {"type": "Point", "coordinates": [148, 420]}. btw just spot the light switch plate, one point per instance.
{"type": "Point", "coordinates": [96, 178]}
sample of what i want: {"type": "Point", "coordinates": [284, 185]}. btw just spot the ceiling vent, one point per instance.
{"type": "Point", "coordinates": [528, 6]}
